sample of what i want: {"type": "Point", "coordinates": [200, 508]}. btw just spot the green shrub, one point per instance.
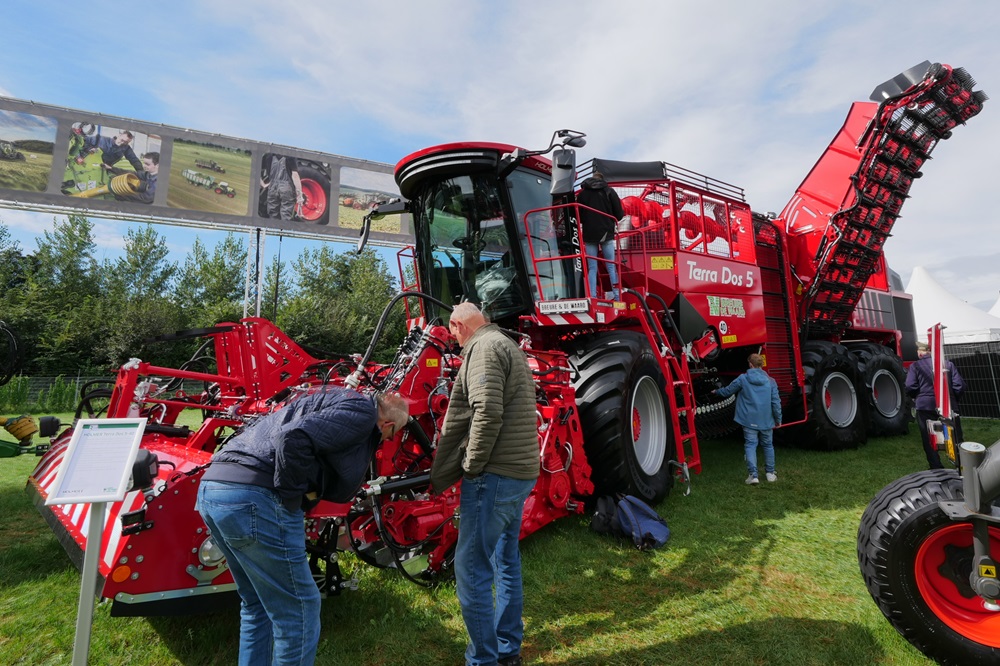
{"type": "Point", "coordinates": [14, 395]}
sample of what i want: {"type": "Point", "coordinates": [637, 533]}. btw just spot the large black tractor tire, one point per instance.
{"type": "Point", "coordinates": [836, 419]}
{"type": "Point", "coordinates": [884, 381]}
{"type": "Point", "coordinates": [316, 187]}
{"type": "Point", "coordinates": [916, 564]}
{"type": "Point", "coordinates": [628, 436]}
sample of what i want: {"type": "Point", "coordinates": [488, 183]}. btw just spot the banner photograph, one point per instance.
{"type": "Point", "coordinates": [63, 160]}
{"type": "Point", "coordinates": [26, 143]}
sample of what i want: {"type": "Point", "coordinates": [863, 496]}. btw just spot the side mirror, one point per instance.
{"type": "Point", "coordinates": [563, 171]}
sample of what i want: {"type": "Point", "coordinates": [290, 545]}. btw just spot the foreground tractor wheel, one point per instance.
{"type": "Point", "coordinates": [836, 419]}
{"type": "Point", "coordinates": [916, 565]}
{"type": "Point", "coordinates": [627, 430]}
{"type": "Point", "coordinates": [883, 379]}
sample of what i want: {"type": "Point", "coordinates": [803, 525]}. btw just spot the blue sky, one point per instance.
{"type": "Point", "coordinates": [747, 92]}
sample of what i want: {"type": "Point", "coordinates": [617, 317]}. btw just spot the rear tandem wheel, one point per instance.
{"type": "Point", "coordinates": [835, 420]}
{"type": "Point", "coordinates": [883, 380]}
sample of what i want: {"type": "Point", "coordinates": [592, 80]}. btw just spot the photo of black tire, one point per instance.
{"type": "Point", "coordinates": [916, 563]}
{"type": "Point", "coordinates": [315, 179]}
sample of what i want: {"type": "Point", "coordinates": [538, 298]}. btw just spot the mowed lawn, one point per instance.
{"type": "Point", "coordinates": [30, 175]}
{"type": "Point", "coordinates": [751, 575]}
{"type": "Point", "coordinates": [183, 194]}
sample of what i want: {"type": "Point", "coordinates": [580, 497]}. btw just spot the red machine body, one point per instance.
{"type": "Point", "coordinates": [623, 386]}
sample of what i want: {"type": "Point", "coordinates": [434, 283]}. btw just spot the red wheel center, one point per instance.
{"type": "Point", "coordinates": [636, 425]}
{"type": "Point", "coordinates": [315, 200]}
{"type": "Point", "coordinates": [938, 565]}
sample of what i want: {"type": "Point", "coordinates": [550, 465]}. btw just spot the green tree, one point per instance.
{"type": "Point", "coordinates": [210, 285]}
{"type": "Point", "coordinates": [338, 303]}
{"type": "Point", "coordinates": [59, 320]}
{"type": "Point", "coordinates": [138, 305]}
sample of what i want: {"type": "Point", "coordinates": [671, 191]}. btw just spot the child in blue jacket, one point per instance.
{"type": "Point", "coordinates": [758, 410]}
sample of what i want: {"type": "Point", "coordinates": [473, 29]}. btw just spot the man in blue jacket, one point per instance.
{"type": "Point", "coordinates": [758, 410]}
{"type": "Point", "coordinates": [252, 498]}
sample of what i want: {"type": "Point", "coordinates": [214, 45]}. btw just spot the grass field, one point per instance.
{"type": "Point", "coordinates": [30, 175]}
{"type": "Point", "coordinates": [751, 575]}
{"type": "Point", "coordinates": [351, 218]}
{"type": "Point", "coordinates": [183, 194]}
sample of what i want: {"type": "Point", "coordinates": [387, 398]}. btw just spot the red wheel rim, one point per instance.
{"type": "Point", "coordinates": [315, 200]}
{"type": "Point", "coordinates": [966, 616]}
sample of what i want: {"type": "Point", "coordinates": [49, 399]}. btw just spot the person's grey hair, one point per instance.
{"type": "Point", "coordinates": [463, 311]}
{"type": "Point", "coordinates": [393, 408]}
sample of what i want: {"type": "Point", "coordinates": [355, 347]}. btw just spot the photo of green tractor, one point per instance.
{"type": "Point", "coordinates": [195, 183]}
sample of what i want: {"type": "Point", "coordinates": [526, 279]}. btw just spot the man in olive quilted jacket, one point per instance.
{"type": "Point", "coordinates": [489, 440]}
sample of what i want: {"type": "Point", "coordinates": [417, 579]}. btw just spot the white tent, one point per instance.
{"type": "Point", "coordinates": [933, 304]}
{"type": "Point", "coordinates": [995, 310]}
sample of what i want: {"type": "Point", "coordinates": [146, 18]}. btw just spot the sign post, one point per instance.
{"type": "Point", "coordinates": [95, 470]}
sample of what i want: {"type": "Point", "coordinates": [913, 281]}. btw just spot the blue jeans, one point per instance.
{"type": "Point", "coordinates": [766, 438]}
{"type": "Point", "coordinates": [265, 546]}
{"type": "Point", "coordinates": [607, 249]}
{"type": "Point", "coordinates": [487, 555]}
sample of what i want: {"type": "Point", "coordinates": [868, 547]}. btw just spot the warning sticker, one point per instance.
{"type": "Point", "coordinates": [988, 570]}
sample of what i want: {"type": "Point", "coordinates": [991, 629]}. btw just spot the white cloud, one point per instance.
{"type": "Point", "coordinates": [750, 93]}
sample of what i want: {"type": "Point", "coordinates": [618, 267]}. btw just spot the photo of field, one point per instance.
{"type": "Point", "coordinates": [26, 144]}
{"type": "Point", "coordinates": [359, 190]}
{"type": "Point", "coordinates": [209, 178]}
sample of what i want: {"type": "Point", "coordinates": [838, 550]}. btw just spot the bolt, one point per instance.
{"type": "Point", "coordinates": [139, 558]}
{"type": "Point", "coordinates": [123, 560]}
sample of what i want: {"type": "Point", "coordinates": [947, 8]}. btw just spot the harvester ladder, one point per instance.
{"type": "Point", "coordinates": [680, 396]}
{"type": "Point", "coordinates": [782, 348]}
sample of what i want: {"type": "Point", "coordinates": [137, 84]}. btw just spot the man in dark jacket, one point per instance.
{"type": "Point", "coordinates": [758, 410]}
{"type": "Point", "coordinates": [252, 495]}
{"type": "Point", "coordinates": [113, 149]}
{"type": "Point", "coordinates": [489, 440]}
{"type": "Point", "coordinates": [600, 210]}
{"type": "Point", "coordinates": [920, 387]}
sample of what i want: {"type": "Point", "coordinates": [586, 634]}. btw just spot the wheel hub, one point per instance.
{"type": "Point", "coordinates": [942, 568]}
{"type": "Point", "coordinates": [840, 402]}
{"type": "Point", "coordinates": [649, 425]}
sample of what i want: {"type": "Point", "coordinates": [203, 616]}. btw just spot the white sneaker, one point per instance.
{"type": "Point", "coordinates": [752, 480]}
{"type": "Point", "coordinates": [772, 477]}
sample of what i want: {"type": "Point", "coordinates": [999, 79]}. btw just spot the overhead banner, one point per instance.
{"type": "Point", "coordinates": [77, 162]}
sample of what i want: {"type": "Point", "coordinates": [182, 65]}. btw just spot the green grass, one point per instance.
{"type": "Point", "coordinates": [31, 174]}
{"type": "Point", "coordinates": [751, 575]}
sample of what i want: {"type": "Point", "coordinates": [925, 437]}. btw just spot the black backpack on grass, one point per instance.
{"type": "Point", "coordinates": [629, 517]}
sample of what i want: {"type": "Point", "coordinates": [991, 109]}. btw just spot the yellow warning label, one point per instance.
{"type": "Point", "coordinates": [661, 263]}
{"type": "Point", "coordinates": [987, 570]}
{"type": "Point", "coordinates": [728, 339]}
{"type": "Point", "coordinates": [432, 363]}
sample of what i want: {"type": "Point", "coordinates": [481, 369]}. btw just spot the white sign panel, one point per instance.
{"type": "Point", "coordinates": [559, 307]}
{"type": "Point", "coordinates": [98, 461]}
